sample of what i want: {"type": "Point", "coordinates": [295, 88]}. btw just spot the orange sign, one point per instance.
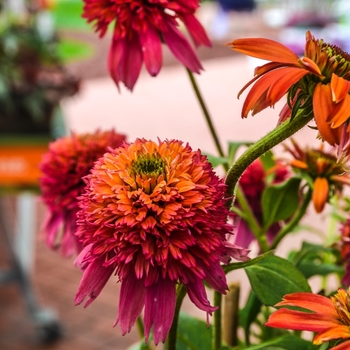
{"type": "Point", "coordinates": [19, 165]}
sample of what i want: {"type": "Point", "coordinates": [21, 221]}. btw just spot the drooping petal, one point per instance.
{"type": "Point", "coordinates": [322, 105]}
{"type": "Point", "coordinates": [51, 225]}
{"type": "Point", "coordinates": [339, 87]}
{"type": "Point", "coordinates": [311, 66]}
{"type": "Point", "coordinates": [131, 303]}
{"type": "Point", "coordinates": [340, 113]}
{"type": "Point", "coordinates": [300, 321]}
{"type": "Point", "coordinates": [198, 296]}
{"type": "Point", "coordinates": [313, 302]}
{"type": "Point", "coordinates": [94, 279]}
{"type": "Point", "coordinates": [340, 331]}
{"type": "Point", "coordinates": [320, 193]}
{"type": "Point", "coordinates": [265, 49]}
{"type": "Point", "coordinates": [342, 346]}
{"type": "Point", "coordinates": [181, 49]}
{"type": "Point", "coordinates": [243, 235]}
{"type": "Point", "coordinates": [216, 278]}
{"type": "Point", "coordinates": [159, 309]}
{"type": "Point", "coordinates": [196, 30]}
{"type": "Point", "coordinates": [151, 49]}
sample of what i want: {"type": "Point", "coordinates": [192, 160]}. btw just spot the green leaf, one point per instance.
{"type": "Point", "coordinates": [248, 314]}
{"type": "Point", "coordinates": [216, 161]}
{"type": "Point", "coordinates": [279, 202]}
{"type": "Point", "coordinates": [273, 277]}
{"type": "Point", "coordinates": [192, 334]}
{"type": "Point", "coordinates": [287, 342]}
{"type": "Point", "coordinates": [312, 268]}
{"type": "Point", "coordinates": [243, 264]}
{"type": "Point", "coordinates": [233, 148]}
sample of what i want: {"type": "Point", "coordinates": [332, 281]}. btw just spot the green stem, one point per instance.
{"type": "Point", "coordinates": [140, 327]}
{"type": "Point", "coordinates": [271, 139]}
{"type": "Point", "coordinates": [206, 114]}
{"type": "Point", "coordinates": [295, 220]}
{"type": "Point", "coordinates": [216, 339]}
{"type": "Point", "coordinates": [171, 340]}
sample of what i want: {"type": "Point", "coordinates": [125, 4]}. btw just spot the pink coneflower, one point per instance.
{"type": "Point", "coordinates": [253, 182]}
{"type": "Point", "coordinates": [139, 29]}
{"type": "Point", "coordinates": [63, 166]}
{"type": "Point", "coordinates": [154, 214]}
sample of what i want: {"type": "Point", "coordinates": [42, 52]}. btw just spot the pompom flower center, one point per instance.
{"type": "Point", "coordinates": [341, 302]}
{"type": "Point", "coordinates": [150, 166]}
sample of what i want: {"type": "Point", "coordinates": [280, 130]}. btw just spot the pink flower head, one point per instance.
{"type": "Point", "coordinates": [253, 182]}
{"type": "Point", "coordinates": [63, 166]}
{"type": "Point", "coordinates": [155, 214]}
{"type": "Point", "coordinates": [139, 29]}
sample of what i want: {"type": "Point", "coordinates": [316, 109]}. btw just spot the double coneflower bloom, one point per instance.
{"type": "Point", "coordinates": [63, 166]}
{"type": "Point", "coordinates": [328, 317]}
{"type": "Point", "coordinates": [317, 83]}
{"type": "Point", "coordinates": [140, 26]}
{"type": "Point", "coordinates": [154, 214]}
{"type": "Point", "coordinates": [326, 173]}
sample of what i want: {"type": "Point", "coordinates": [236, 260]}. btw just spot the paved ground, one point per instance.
{"type": "Point", "coordinates": [164, 107]}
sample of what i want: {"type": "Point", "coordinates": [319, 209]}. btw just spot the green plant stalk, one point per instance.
{"type": "Point", "coordinates": [171, 339]}
{"type": "Point", "coordinates": [207, 116]}
{"type": "Point", "coordinates": [271, 139]}
{"type": "Point", "coordinates": [294, 221]}
{"type": "Point", "coordinates": [217, 332]}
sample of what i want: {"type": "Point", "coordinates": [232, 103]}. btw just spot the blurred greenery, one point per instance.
{"type": "Point", "coordinates": [69, 49]}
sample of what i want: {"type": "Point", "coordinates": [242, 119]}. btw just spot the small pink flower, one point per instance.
{"type": "Point", "coordinates": [63, 166]}
{"type": "Point", "coordinates": [154, 214]}
{"type": "Point", "coordinates": [140, 26]}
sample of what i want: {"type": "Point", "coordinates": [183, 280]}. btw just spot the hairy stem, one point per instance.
{"type": "Point", "coordinates": [271, 139]}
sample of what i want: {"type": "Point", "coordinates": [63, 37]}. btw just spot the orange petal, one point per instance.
{"type": "Point", "coordinates": [313, 302]}
{"type": "Point", "coordinates": [340, 113]}
{"type": "Point", "coordinates": [323, 105]}
{"type": "Point", "coordinates": [311, 66]}
{"type": "Point", "coordinates": [300, 321]}
{"type": "Point", "coordinates": [335, 332]}
{"type": "Point", "coordinates": [265, 49]}
{"type": "Point", "coordinates": [285, 78]}
{"type": "Point", "coordinates": [340, 88]}
{"type": "Point", "coordinates": [298, 164]}
{"type": "Point", "coordinates": [342, 179]}
{"type": "Point", "coordinates": [342, 346]}
{"type": "Point", "coordinates": [320, 193]}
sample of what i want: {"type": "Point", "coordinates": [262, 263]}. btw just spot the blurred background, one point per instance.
{"type": "Point", "coordinates": [53, 80]}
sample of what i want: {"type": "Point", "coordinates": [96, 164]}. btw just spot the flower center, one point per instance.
{"type": "Point", "coordinates": [148, 165]}
{"type": "Point", "coordinates": [341, 302]}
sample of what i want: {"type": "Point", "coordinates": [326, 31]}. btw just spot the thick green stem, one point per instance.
{"type": "Point", "coordinates": [273, 138]}
{"type": "Point", "coordinates": [216, 339]}
{"type": "Point", "coordinates": [206, 114]}
{"type": "Point", "coordinates": [294, 221]}
{"type": "Point", "coordinates": [171, 340]}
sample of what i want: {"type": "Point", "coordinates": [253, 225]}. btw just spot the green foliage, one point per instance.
{"type": "Point", "coordinates": [280, 201]}
{"type": "Point", "coordinates": [274, 277]}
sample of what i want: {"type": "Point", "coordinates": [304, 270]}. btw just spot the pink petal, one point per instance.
{"type": "Point", "coordinates": [51, 225]}
{"type": "Point", "coordinates": [125, 60]}
{"type": "Point", "coordinates": [243, 235]}
{"type": "Point", "coordinates": [198, 296]}
{"type": "Point", "coordinates": [181, 49]}
{"type": "Point", "coordinates": [152, 50]}
{"type": "Point", "coordinates": [94, 279]}
{"type": "Point", "coordinates": [159, 309]}
{"type": "Point", "coordinates": [343, 346]}
{"type": "Point", "coordinates": [131, 302]}
{"type": "Point", "coordinates": [216, 278]}
{"type": "Point", "coordinates": [236, 252]}
{"type": "Point", "coordinates": [196, 30]}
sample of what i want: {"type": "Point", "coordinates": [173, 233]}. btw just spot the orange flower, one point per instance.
{"type": "Point", "coordinates": [329, 317]}
{"type": "Point", "coordinates": [316, 83]}
{"type": "Point", "coordinates": [322, 169]}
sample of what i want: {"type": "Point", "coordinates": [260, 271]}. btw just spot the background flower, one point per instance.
{"type": "Point", "coordinates": [156, 215]}
{"type": "Point", "coordinates": [63, 166]}
{"type": "Point", "coordinates": [139, 29]}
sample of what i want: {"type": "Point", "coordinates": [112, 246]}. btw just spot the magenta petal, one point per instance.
{"type": "Point", "coordinates": [181, 49]}
{"type": "Point", "coordinates": [198, 296]}
{"type": "Point", "coordinates": [94, 279]}
{"type": "Point", "coordinates": [152, 50]}
{"type": "Point", "coordinates": [131, 302]}
{"type": "Point", "coordinates": [216, 278]}
{"type": "Point", "coordinates": [196, 30]}
{"type": "Point", "coordinates": [243, 234]}
{"type": "Point", "coordinates": [51, 225]}
{"type": "Point", "coordinates": [236, 252]}
{"type": "Point", "coordinates": [125, 60]}
{"type": "Point", "coordinates": [159, 309]}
